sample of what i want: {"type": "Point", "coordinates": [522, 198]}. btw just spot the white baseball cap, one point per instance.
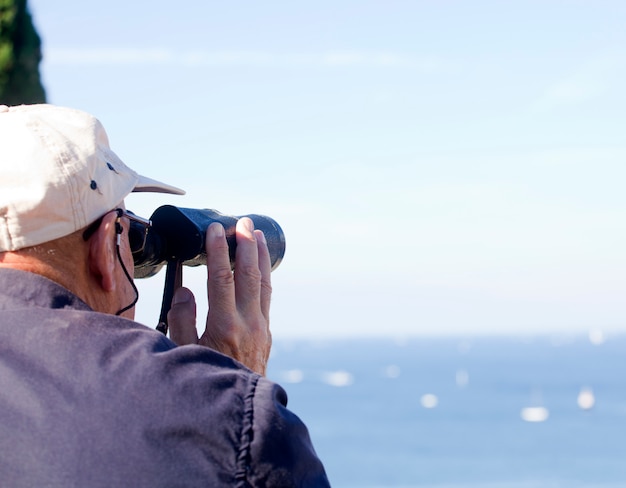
{"type": "Point", "coordinates": [58, 174]}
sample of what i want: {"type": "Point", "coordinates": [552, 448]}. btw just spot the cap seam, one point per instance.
{"type": "Point", "coordinates": [60, 157]}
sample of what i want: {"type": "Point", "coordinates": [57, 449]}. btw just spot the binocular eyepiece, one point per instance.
{"type": "Point", "coordinates": [178, 234]}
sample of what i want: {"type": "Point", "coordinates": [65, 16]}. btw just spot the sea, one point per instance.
{"type": "Point", "coordinates": [462, 412]}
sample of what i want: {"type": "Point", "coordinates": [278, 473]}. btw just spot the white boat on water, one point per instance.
{"type": "Point", "coordinates": [534, 414]}
{"type": "Point", "coordinates": [586, 399]}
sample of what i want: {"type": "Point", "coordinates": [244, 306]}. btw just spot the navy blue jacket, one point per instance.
{"type": "Point", "coordinates": [93, 400]}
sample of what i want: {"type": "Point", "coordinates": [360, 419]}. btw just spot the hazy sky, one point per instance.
{"type": "Point", "coordinates": [437, 166]}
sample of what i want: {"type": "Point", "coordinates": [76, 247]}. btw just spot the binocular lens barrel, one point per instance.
{"type": "Point", "coordinates": [178, 234]}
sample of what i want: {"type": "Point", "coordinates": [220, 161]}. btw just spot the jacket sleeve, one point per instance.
{"type": "Point", "coordinates": [276, 448]}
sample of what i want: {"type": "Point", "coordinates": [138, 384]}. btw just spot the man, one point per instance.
{"type": "Point", "coordinates": [90, 398]}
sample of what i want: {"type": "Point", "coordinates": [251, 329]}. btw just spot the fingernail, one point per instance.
{"type": "Point", "coordinates": [182, 295]}
{"type": "Point", "coordinates": [216, 229]}
{"type": "Point", "coordinates": [262, 237]}
{"type": "Point", "coordinates": [249, 224]}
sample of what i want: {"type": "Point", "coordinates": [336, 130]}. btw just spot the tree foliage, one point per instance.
{"type": "Point", "coordinates": [20, 55]}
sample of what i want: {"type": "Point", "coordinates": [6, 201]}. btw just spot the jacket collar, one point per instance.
{"type": "Point", "coordinates": [20, 289]}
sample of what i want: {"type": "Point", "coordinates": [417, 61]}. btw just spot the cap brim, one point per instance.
{"type": "Point", "coordinates": [145, 184]}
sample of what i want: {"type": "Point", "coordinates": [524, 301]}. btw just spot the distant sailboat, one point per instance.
{"type": "Point", "coordinates": [586, 399]}
{"type": "Point", "coordinates": [429, 400]}
{"type": "Point", "coordinates": [536, 413]}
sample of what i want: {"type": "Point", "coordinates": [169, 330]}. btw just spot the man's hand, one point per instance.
{"type": "Point", "coordinates": [238, 320]}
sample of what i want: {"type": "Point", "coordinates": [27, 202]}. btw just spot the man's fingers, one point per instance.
{"type": "Point", "coordinates": [182, 318]}
{"type": "Point", "coordinates": [238, 319]}
{"type": "Point", "coordinates": [247, 272]}
{"type": "Point", "coordinates": [265, 266]}
{"type": "Point", "coordinates": [220, 287]}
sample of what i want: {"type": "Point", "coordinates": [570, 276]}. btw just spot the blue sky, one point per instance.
{"type": "Point", "coordinates": [438, 166]}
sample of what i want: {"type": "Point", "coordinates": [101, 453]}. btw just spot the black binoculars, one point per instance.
{"type": "Point", "coordinates": [178, 234]}
{"type": "Point", "coordinates": [177, 237]}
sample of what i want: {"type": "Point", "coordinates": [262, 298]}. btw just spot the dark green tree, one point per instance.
{"type": "Point", "coordinates": [20, 55]}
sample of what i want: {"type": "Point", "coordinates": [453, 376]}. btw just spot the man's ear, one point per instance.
{"type": "Point", "coordinates": [102, 253]}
